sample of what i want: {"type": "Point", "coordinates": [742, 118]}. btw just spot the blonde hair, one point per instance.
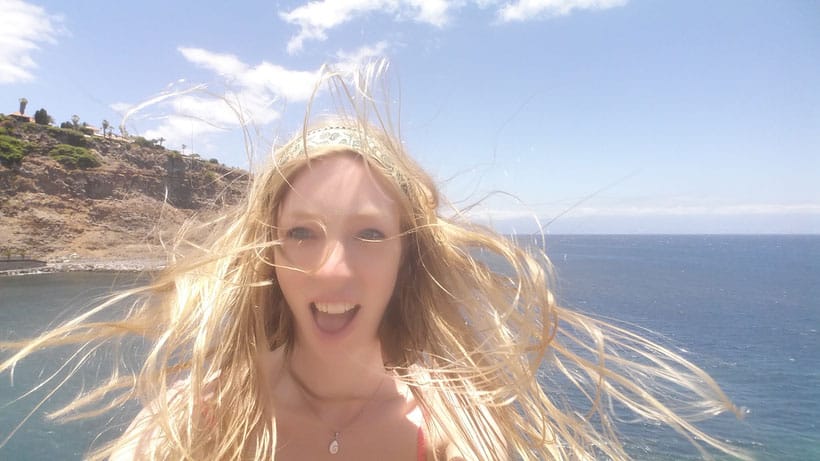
{"type": "Point", "coordinates": [471, 327]}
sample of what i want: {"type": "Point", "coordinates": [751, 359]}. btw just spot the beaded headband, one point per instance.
{"type": "Point", "coordinates": [345, 136]}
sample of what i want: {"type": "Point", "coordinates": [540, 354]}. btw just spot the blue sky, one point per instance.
{"type": "Point", "coordinates": [614, 116]}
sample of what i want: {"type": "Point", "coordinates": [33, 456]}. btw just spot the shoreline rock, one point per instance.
{"type": "Point", "coordinates": [90, 265]}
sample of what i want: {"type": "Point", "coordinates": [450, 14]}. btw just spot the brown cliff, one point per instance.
{"type": "Point", "coordinates": [138, 195]}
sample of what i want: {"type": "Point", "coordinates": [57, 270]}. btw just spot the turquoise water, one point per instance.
{"type": "Point", "coordinates": [746, 308]}
{"type": "Point", "coordinates": [28, 305]}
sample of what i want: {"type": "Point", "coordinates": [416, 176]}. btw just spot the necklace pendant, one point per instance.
{"type": "Point", "coordinates": [333, 448]}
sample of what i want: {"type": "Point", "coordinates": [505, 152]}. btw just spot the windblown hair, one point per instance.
{"type": "Point", "coordinates": [471, 328]}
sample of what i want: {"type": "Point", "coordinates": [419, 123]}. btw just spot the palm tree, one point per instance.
{"type": "Point", "coordinates": [23, 104]}
{"type": "Point", "coordinates": [161, 140]}
{"type": "Point", "coordinates": [105, 126]}
{"type": "Point", "coordinates": [75, 120]}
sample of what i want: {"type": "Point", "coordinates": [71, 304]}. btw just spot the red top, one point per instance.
{"type": "Point", "coordinates": [422, 449]}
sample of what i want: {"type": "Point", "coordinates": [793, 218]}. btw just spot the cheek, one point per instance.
{"type": "Point", "coordinates": [289, 282]}
{"type": "Point", "coordinates": [384, 272]}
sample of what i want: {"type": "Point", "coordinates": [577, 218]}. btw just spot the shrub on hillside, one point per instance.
{"type": "Point", "coordinates": [68, 136]}
{"type": "Point", "coordinates": [12, 150]}
{"type": "Point", "coordinates": [74, 157]}
{"type": "Point", "coordinates": [41, 117]}
{"type": "Point", "coordinates": [150, 143]}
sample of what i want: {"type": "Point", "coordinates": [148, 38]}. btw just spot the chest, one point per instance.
{"type": "Point", "coordinates": [381, 436]}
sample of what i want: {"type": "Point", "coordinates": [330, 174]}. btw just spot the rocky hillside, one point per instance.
{"type": "Point", "coordinates": [63, 192]}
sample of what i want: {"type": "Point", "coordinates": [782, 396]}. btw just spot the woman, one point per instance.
{"type": "Point", "coordinates": [337, 314]}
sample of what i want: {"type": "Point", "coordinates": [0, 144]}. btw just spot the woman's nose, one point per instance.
{"type": "Point", "coordinates": [337, 261]}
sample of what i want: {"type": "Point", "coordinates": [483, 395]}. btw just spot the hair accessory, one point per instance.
{"type": "Point", "coordinates": [353, 137]}
{"type": "Point", "coordinates": [330, 136]}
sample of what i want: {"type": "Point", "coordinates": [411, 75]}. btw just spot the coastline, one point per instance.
{"type": "Point", "coordinates": [88, 265]}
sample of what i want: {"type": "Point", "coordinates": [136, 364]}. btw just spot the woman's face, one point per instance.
{"type": "Point", "coordinates": [340, 253]}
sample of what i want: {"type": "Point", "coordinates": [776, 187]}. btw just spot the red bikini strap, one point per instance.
{"type": "Point", "coordinates": [421, 446]}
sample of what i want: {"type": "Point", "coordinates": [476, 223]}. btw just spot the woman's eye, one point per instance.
{"type": "Point", "coordinates": [299, 233]}
{"type": "Point", "coordinates": [371, 235]}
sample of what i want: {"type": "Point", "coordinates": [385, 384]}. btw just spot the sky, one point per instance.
{"type": "Point", "coordinates": [573, 116]}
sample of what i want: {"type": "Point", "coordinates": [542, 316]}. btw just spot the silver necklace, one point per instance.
{"type": "Point", "coordinates": [335, 444]}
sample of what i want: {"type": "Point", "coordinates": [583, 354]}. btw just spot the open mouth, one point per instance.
{"type": "Point", "coordinates": [333, 317]}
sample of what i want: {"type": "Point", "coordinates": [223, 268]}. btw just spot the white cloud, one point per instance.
{"type": "Point", "coordinates": [348, 62]}
{"type": "Point", "coordinates": [223, 64]}
{"type": "Point", "coordinates": [523, 10]}
{"type": "Point", "coordinates": [265, 79]}
{"type": "Point", "coordinates": [433, 12]}
{"type": "Point", "coordinates": [210, 110]}
{"type": "Point", "coordinates": [702, 210]}
{"type": "Point", "coordinates": [292, 85]}
{"type": "Point", "coordinates": [253, 95]}
{"type": "Point", "coordinates": [317, 17]}
{"type": "Point", "coordinates": [485, 3]}
{"type": "Point", "coordinates": [23, 27]}
{"type": "Point", "coordinates": [179, 129]}
{"type": "Point", "coordinates": [120, 107]}
{"type": "Point", "coordinates": [660, 210]}
{"type": "Point", "coordinates": [658, 219]}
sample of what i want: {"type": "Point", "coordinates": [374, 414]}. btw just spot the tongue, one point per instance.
{"type": "Point", "coordinates": [331, 323]}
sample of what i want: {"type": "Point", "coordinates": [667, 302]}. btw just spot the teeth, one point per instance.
{"type": "Point", "coordinates": [334, 308]}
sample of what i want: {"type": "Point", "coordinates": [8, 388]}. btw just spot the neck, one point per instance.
{"type": "Point", "coordinates": [338, 377]}
{"type": "Point", "coordinates": [337, 408]}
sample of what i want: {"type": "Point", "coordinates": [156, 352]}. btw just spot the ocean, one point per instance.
{"type": "Point", "coordinates": [745, 308]}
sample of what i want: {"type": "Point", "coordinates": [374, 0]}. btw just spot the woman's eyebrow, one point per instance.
{"type": "Point", "coordinates": [369, 213]}
{"type": "Point", "coordinates": [365, 212]}
{"type": "Point", "coordinates": [302, 214]}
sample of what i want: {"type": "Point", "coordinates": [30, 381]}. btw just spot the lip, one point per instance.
{"type": "Point", "coordinates": [333, 319]}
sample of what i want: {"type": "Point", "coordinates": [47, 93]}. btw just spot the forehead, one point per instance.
{"type": "Point", "coordinates": [338, 185]}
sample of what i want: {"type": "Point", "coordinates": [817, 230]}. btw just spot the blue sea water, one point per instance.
{"type": "Point", "coordinates": [745, 308]}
